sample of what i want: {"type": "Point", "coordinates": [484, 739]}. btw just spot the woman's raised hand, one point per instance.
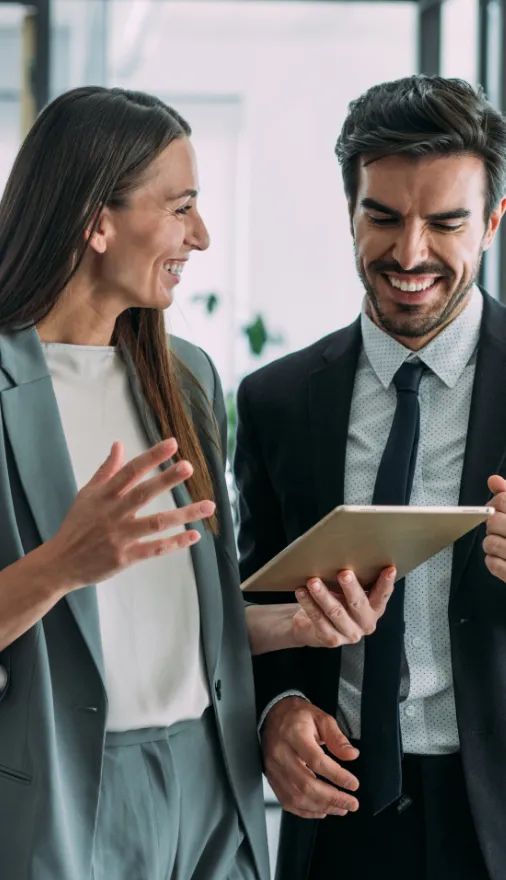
{"type": "Point", "coordinates": [101, 534]}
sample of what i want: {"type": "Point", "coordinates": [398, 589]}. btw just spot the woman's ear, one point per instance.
{"type": "Point", "coordinates": [99, 231]}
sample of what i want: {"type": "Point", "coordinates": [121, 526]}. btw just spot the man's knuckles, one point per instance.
{"type": "Point", "coordinates": [499, 502]}
{"type": "Point", "coordinates": [493, 544]}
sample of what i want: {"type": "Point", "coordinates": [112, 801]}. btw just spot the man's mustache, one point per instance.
{"type": "Point", "coordinates": [425, 269]}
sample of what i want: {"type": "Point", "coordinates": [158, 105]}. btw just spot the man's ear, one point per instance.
{"type": "Point", "coordinates": [493, 224]}
{"type": "Point", "coordinates": [351, 211]}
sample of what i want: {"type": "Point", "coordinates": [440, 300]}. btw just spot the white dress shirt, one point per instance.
{"type": "Point", "coordinates": [149, 613]}
{"type": "Point", "coordinates": [428, 719]}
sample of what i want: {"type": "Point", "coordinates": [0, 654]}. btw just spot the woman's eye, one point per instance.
{"type": "Point", "coordinates": [184, 209]}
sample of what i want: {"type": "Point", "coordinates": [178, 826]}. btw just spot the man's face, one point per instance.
{"type": "Point", "coordinates": [419, 231]}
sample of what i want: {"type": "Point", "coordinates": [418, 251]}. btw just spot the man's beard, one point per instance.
{"type": "Point", "coordinates": [408, 323]}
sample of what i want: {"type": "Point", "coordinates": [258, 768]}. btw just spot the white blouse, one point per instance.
{"type": "Point", "coordinates": [149, 613]}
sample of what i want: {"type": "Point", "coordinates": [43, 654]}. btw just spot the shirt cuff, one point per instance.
{"type": "Point", "coordinates": [273, 702]}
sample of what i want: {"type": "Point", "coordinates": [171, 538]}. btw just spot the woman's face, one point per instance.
{"type": "Point", "coordinates": [139, 252]}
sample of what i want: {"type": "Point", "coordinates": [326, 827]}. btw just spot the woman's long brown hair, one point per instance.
{"type": "Point", "coordinates": [90, 148]}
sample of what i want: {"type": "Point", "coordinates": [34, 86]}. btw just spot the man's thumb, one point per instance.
{"type": "Point", "coordinates": [335, 740]}
{"type": "Point", "coordinates": [496, 484]}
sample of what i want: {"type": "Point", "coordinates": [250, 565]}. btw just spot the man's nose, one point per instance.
{"type": "Point", "coordinates": [410, 248]}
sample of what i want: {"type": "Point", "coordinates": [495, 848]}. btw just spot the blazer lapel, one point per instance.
{"type": "Point", "coordinates": [33, 424]}
{"type": "Point", "coordinates": [207, 575]}
{"type": "Point", "coordinates": [330, 395]}
{"type": "Point", "coordinates": [486, 438]}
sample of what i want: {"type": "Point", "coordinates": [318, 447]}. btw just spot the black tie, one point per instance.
{"type": "Point", "coordinates": [381, 747]}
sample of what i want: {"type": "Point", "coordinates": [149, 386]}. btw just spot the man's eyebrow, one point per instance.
{"type": "Point", "coordinates": [457, 214]}
{"type": "Point", "coordinates": [373, 205]}
{"type": "Point", "coordinates": [187, 193]}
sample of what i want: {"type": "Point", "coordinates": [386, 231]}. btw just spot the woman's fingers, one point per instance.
{"type": "Point", "coordinates": [140, 495]}
{"type": "Point", "coordinates": [133, 471]}
{"type": "Point", "coordinates": [331, 622]}
{"type": "Point", "coordinates": [142, 526]}
{"type": "Point", "coordinates": [380, 593]}
{"type": "Point", "coordinates": [147, 549]}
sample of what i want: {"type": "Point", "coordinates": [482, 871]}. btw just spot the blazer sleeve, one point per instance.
{"type": "Point", "coordinates": [261, 536]}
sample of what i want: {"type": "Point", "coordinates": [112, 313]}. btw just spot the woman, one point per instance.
{"type": "Point", "coordinates": [128, 744]}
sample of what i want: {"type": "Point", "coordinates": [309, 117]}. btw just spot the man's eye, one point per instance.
{"type": "Point", "coordinates": [444, 227]}
{"type": "Point", "coordinates": [384, 221]}
{"type": "Point", "coordinates": [184, 209]}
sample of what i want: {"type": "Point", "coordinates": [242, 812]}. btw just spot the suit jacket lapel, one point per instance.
{"type": "Point", "coordinates": [33, 424]}
{"type": "Point", "coordinates": [486, 438]}
{"type": "Point", "coordinates": [203, 554]}
{"type": "Point", "coordinates": [330, 396]}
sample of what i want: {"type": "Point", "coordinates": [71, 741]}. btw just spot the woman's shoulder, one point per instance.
{"type": "Point", "coordinates": [196, 361]}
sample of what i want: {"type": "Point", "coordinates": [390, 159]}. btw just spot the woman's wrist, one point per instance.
{"type": "Point", "coordinates": [47, 571]}
{"type": "Point", "coordinates": [270, 627]}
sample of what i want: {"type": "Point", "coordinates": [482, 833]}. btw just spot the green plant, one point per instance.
{"type": "Point", "coordinates": [257, 335]}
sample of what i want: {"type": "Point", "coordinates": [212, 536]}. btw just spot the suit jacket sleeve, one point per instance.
{"type": "Point", "coordinates": [262, 536]}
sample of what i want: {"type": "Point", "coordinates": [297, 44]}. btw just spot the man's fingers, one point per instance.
{"type": "Point", "coordinates": [382, 590]}
{"type": "Point", "coordinates": [298, 788]}
{"type": "Point", "coordinates": [313, 756]}
{"type": "Point", "coordinates": [496, 566]}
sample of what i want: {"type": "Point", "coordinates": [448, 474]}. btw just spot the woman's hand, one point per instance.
{"type": "Point", "coordinates": [101, 534]}
{"type": "Point", "coordinates": [328, 619]}
{"type": "Point", "coordinates": [325, 619]}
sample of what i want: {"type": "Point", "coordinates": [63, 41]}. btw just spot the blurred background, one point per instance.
{"type": "Point", "coordinates": [265, 85]}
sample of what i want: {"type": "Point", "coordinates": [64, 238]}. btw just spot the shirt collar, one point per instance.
{"type": "Point", "coordinates": [446, 355]}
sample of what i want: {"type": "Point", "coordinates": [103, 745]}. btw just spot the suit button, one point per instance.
{"type": "Point", "coordinates": [217, 688]}
{"type": "Point", "coordinates": [3, 678]}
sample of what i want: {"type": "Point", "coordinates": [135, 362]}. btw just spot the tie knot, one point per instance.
{"type": "Point", "coordinates": [407, 377]}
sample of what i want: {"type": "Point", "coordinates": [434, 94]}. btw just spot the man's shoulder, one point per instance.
{"type": "Point", "coordinates": [297, 366]}
{"type": "Point", "coordinates": [494, 317]}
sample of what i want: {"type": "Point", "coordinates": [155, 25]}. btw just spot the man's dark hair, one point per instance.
{"type": "Point", "coordinates": [423, 116]}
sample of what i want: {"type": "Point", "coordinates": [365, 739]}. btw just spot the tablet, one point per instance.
{"type": "Point", "coordinates": [366, 539]}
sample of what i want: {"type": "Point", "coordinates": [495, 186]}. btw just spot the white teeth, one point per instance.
{"type": "Point", "coordinates": [174, 268]}
{"type": "Point", "coordinates": [409, 286]}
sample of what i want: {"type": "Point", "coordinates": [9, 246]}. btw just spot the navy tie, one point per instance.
{"type": "Point", "coordinates": [380, 742]}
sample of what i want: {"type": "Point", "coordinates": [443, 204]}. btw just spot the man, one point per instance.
{"type": "Point", "coordinates": [406, 405]}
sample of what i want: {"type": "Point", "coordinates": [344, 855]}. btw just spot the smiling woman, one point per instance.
{"type": "Point", "coordinates": [128, 740]}
{"type": "Point", "coordinates": [137, 692]}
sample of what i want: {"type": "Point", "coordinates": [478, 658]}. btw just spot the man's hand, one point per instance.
{"type": "Point", "coordinates": [494, 544]}
{"type": "Point", "coordinates": [292, 737]}
{"type": "Point", "coordinates": [328, 619]}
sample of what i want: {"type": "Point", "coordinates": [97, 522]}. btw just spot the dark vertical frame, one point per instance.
{"type": "Point", "coordinates": [501, 274]}
{"type": "Point", "coordinates": [40, 73]}
{"type": "Point", "coordinates": [492, 76]}
{"type": "Point", "coordinates": [42, 61]}
{"type": "Point", "coordinates": [484, 80]}
{"type": "Point", "coordinates": [429, 37]}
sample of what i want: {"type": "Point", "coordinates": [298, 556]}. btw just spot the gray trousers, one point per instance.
{"type": "Point", "coordinates": [166, 809]}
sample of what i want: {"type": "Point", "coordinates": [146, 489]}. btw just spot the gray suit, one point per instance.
{"type": "Point", "coordinates": [53, 704]}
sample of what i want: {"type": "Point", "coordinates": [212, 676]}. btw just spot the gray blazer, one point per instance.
{"type": "Point", "coordinates": [53, 704]}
